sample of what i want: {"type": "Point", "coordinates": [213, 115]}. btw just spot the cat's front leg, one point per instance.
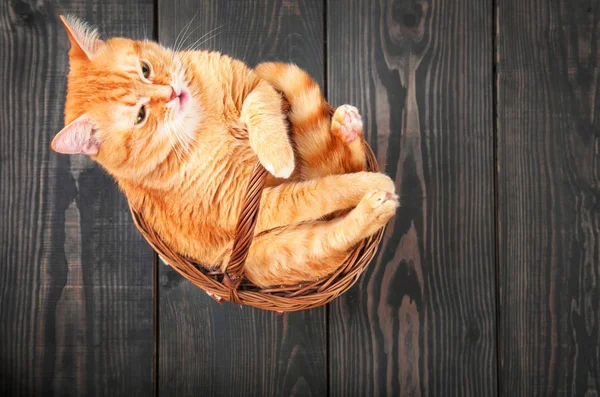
{"type": "Point", "coordinates": [312, 250]}
{"type": "Point", "coordinates": [294, 202]}
{"type": "Point", "coordinates": [267, 130]}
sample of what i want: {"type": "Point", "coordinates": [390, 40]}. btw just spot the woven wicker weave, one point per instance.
{"type": "Point", "coordinates": [233, 287]}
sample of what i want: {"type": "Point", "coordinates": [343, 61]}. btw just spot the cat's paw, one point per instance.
{"type": "Point", "coordinates": [279, 161]}
{"type": "Point", "coordinates": [347, 123]}
{"type": "Point", "coordinates": [377, 208]}
{"type": "Point", "coordinates": [381, 204]}
{"type": "Point", "coordinates": [369, 181]}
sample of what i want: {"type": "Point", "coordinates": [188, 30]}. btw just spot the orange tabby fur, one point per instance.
{"type": "Point", "coordinates": [187, 165]}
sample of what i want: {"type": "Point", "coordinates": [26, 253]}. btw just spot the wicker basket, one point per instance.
{"type": "Point", "coordinates": [232, 286]}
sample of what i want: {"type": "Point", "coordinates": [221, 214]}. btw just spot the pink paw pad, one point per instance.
{"type": "Point", "coordinates": [347, 123]}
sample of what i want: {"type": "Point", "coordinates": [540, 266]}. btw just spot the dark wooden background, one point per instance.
{"type": "Point", "coordinates": [486, 113]}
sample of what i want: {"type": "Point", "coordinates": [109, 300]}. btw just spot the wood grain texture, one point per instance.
{"type": "Point", "coordinates": [549, 191]}
{"type": "Point", "coordinates": [421, 321]}
{"type": "Point", "coordinates": [75, 276]}
{"type": "Point", "coordinates": [212, 350]}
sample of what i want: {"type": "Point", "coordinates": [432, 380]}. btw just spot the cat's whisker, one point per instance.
{"type": "Point", "coordinates": [196, 46]}
{"type": "Point", "coordinates": [171, 139]}
{"type": "Point", "coordinates": [175, 59]}
{"type": "Point", "coordinates": [187, 146]}
{"type": "Point", "coordinates": [211, 31]}
{"type": "Point", "coordinates": [199, 42]}
{"type": "Point", "coordinates": [178, 150]}
{"type": "Point", "coordinates": [179, 64]}
{"type": "Point", "coordinates": [190, 139]}
{"type": "Point", "coordinates": [187, 37]}
{"type": "Point", "coordinates": [182, 141]}
{"type": "Point", "coordinates": [190, 24]}
{"type": "Point", "coordinates": [178, 144]}
{"type": "Point", "coordinates": [177, 138]}
{"type": "Point", "coordinates": [185, 28]}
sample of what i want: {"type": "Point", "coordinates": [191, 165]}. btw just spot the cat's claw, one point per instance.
{"type": "Point", "coordinates": [347, 123]}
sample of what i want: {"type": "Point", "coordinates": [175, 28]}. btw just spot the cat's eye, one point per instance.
{"type": "Point", "coordinates": [145, 70]}
{"type": "Point", "coordinates": [141, 116]}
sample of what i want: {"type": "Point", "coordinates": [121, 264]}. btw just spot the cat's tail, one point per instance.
{"type": "Point", "coordinates": [310, 120]}
{"type": "Point", "coordinates": [308, 107]}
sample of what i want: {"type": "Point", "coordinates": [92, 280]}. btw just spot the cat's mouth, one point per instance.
{"type": "Point", "coordinates": [179, 97]}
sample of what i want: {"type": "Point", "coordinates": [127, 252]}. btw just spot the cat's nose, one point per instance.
{"type": "Point", "coordinates": [173, 94]}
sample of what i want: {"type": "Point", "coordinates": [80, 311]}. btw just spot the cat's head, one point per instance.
{"type": "Point", "coordinates": [129, 103]}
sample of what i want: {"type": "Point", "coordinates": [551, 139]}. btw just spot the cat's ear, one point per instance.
{"type": "Point", "coordinates": [85, 39]}
{"type": "Point", "coordinates": [78, 137]}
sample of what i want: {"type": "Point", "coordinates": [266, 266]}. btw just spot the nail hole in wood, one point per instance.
{"type": "Point", "coordinates": [22, 9]}
{"type": "Point", "coordinates": [410, 20]}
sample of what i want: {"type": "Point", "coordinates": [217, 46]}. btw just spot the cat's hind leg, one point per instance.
{"type": "Point", "coordinates": [347, 125]}
{"type": "Point", "coordinates": [321, 152]}
{"type": "Point", "coordinates": [312, 250]}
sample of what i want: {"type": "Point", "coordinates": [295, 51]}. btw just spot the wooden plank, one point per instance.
{"type": "Point", "coordinates": [205, 348]}
{"type": "Point", "coordinates": [421, 321]}
{"type": "Point", "coordinates": [75, 275]}
{"type": "Point", "coordinates": [549, 191]}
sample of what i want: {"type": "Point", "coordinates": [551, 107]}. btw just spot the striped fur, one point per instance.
{"type": "Point", "coordinates": [186, 170]}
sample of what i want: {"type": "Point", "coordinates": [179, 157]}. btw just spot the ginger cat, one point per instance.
{"type": "Point", "coordinates": [181, 131]}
